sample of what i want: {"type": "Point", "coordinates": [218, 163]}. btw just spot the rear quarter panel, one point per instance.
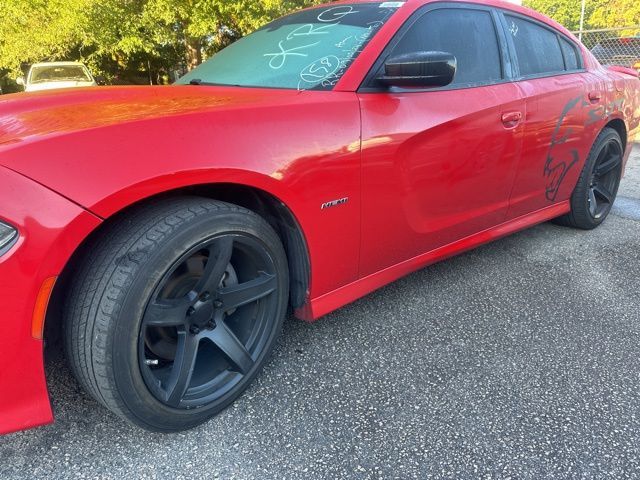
{"type": "Point", "coordinates": [621, 101]}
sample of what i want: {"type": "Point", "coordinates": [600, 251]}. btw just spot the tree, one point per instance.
{"type": "Point", "coordinates": [116, 37]}
{"type": "Point", "coordinates": [617, 13]}
{"type": "Point", "coordinates": [37, 30]}
{"type": "Point", "coordinates": [567, 12]}
{"type": "Point", "coordinates": [598, 13]}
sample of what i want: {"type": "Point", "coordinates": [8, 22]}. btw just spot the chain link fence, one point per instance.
{"type": "Point", "coordinates": [614, 46]}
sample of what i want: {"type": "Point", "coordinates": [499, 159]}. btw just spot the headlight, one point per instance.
{"type": "Point", "coordinates": [7, 235]}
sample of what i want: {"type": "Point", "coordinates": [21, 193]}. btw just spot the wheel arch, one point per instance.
{"type": "Point", "coordinates": [616, 124]}
{"type": "Point", "coordinates": [263, 203]}
{"type": "Point", "coordinates": [619, 126]}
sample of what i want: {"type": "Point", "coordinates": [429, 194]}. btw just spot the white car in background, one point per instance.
{"type": "Point", "coordinates": [50, 75]}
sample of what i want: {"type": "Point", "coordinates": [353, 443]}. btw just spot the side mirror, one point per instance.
{"type": "Point", "coordinates": [20, 81]}
{"type": "Point", "coordinates": [419, 69]}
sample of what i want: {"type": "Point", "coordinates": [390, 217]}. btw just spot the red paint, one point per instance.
{"type": "Point", "coordinates": [436, 167]}
{"type": "Point", "coordinates": [363, 286]}
{"type": "Point", "coordinates": [50, 228]}
{"type": "Point", "coordinates": [428, 175]}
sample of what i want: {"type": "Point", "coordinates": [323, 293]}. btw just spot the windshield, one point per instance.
{"type": "Point", "coordinates": [59, 73]}
{"type": "Point", "coordinates": [308, 50]}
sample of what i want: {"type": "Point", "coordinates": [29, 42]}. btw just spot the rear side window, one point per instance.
{"type": "Point", "coordinates": [570, 55]}
{"type": "Point", "coordinates": [537, 48]}
{"type": "Point", "coordinates": [470, 35]}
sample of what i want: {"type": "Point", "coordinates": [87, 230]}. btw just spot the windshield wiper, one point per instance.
{"type": "Point", "coordinates": [197, 81]}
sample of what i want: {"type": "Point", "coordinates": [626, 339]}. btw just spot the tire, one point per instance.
{"type": "Point", "coordinates": [175, 310]}
{"type": "Point", "coordinates": [598, 184]}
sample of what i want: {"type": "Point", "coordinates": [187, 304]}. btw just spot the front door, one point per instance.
{"type": "Point", "coordinates": [438, 165]}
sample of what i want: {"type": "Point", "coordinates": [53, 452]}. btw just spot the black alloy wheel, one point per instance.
{"type": "Point", "coordinates": [597, 186]}
{"type": "Point", "coordinates": [204, 328]}
{"type": "Point", "coordinates": [175, 309]}
{"type": "Point", "coordinates": [605, 178]}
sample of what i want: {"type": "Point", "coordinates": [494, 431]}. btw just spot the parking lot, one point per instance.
{"type": "Point", "coordinates": [517, 360]}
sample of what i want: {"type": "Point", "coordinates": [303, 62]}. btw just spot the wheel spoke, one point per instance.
{"type": "Point", "coordinates": [244, 293]}
{"type": "Point", "coordinates": [233, 349]}
{"type": "Point", "coordinates": [602, 192]}
{"type": "Point", "coordinates": [219, 257]}
{"type": "Point", "coordinates": [168, 313]}
{"type": "Point", "coordinates": [593, 204]}
{"type": "Point", "coordinates": [611, 163]}
{"type": "Point", "coordinates": [231, 306]}
{"type": "Point", "coordinates": [604, 153]}
{"type": "Point", "coordinates": [182, 370]}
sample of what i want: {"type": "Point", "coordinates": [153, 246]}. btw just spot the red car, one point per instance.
{"type": "Point", "coordinates": [163, 233]}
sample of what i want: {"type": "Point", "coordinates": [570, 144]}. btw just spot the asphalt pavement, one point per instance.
{"type": "Point", "coordinates": [516, 360]}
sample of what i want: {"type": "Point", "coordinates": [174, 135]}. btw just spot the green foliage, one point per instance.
{"type": "Point", "coordinates": [120, 38]}
{"type": "Point", "coordinates": [598, 13]}
{"type": "Point", "coordinates": [35, 30]}
{"type": "Point", "coordinates": [617, 13]}
{"type": "Point", "coordinates": [565, 12]}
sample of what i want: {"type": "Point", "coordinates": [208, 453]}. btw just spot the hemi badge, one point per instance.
{"type": "Point", "coordinates": [334, 203]}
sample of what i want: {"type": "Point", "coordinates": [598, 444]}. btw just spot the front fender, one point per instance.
{"type": "Point", "coordinates": [51, 228]}
{"type": "Point", "coordinates": [303, 149]}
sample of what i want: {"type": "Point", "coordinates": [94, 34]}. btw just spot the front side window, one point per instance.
{"type": "Point", "coordinates": [537, 48]}
{"type": "Point", "coordinates": [308, 50]}
{"type": "Point", "coordinates": [470, 35]}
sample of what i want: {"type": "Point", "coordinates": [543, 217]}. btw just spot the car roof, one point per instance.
{"type": "Point", "coordinates": [503, 4]}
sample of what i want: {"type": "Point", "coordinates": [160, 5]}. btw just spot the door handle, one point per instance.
{"type": "Point", "coordinates": [595, 97]}
{"type": "Point", "coordinates": [511, 119]}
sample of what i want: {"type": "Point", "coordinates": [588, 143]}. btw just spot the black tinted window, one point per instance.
{"type": "Point", "coordinates": [470, 35]}
{"type": "Point", "coordinates": [570, 55]}
{"type": "Point", "coordinates": [537, 48]}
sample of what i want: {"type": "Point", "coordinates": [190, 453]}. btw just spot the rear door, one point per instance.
{"type": "Point", "coordinates": [552, 79]}
{"type": "Point", "coordinates": [438, 164]}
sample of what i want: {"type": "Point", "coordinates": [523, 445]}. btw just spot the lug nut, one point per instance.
{"type": "Point", "coordinates": [211, 325]}
{"type": "Point", "coordinates": [205, 296]}
{"type": "Point", "coordinates": [191, 311]}
{"type": "Point", "coordinates": [218, 304]}
{"type": "Point", "coordinates": [194, 330]}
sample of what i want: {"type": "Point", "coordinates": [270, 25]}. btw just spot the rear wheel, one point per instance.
{"type": "Point", "coordinates": [176, 310]}
{"type": "Point", "coordinates": [598, 185]}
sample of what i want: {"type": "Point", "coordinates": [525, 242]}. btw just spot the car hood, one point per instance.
{"type": "Point", "coordinates": [26, 117]}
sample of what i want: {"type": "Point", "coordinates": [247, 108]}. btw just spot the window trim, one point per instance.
{"type": "Point", "coordinates": [503, 13]}
{"type": "Point", "coordinates": [506, 60]}
{"type": "Point", "coordinates": [576, 50]}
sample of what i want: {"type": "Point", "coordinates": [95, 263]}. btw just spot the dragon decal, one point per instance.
{"type": "Point", "coordinates": [560, 161]}
{"type": "Point", "coordinates": [558, 164]}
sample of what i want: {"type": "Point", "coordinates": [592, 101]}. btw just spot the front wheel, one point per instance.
{"type": "Point", "coordinates": [175, 310]}
{"type": "Point", "coordinates": [598, 184]}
